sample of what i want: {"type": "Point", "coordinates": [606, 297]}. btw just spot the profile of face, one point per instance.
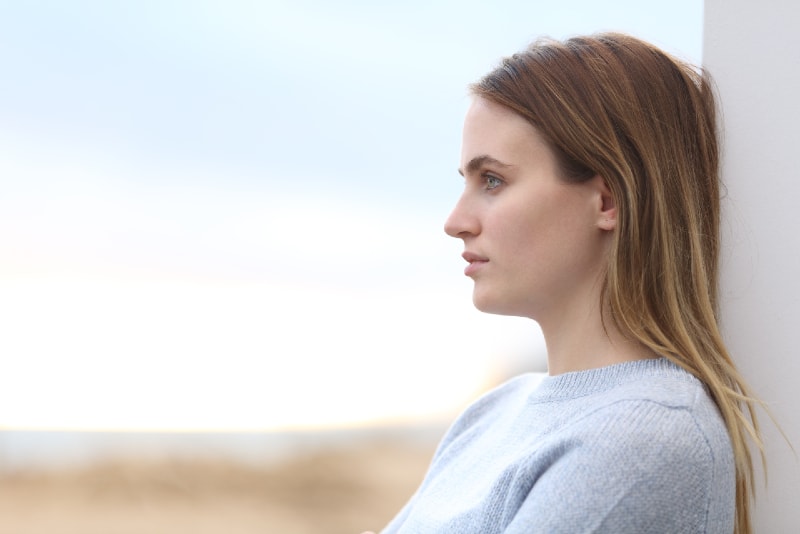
{"type": "Point", "coordinates": [536, 245]}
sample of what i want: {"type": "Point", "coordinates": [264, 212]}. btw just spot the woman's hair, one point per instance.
{"type": "Point", "coordinates": [615, 106]}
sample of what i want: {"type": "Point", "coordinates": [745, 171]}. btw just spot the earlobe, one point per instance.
{"type": "Point", "coordinates": [607, 216]}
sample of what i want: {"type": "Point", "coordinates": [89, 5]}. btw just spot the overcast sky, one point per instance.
{"type": "Point", "coordinates": [229, 214]}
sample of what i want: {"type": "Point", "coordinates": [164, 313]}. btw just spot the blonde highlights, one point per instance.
{"type": "Point", "coordinates": [615, 106]}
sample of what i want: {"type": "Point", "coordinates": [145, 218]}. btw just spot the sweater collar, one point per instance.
{"type": "Point", "coordinates": [580, 383]}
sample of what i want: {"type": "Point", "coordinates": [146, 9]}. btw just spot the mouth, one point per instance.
{"type": "Point", "coordinates": [475, 261]}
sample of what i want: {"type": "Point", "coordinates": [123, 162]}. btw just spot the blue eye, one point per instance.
{"type": "Point", "coordinates": [492, 181]}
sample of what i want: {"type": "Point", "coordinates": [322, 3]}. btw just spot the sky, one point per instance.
{"type": "Point", "coordinates": [228, 215]}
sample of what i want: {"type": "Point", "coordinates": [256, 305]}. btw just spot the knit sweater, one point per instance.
{"type": "Point", "coordinates": [636, 447]}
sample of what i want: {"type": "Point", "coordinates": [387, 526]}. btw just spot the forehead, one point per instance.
{"type": "Point", "coordinates": [494, 130]}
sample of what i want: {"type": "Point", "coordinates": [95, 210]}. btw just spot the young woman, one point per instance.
{"type": "Point", "coordinates": [591, 205]}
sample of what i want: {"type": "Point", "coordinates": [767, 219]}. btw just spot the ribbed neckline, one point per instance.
{"type": "Point", "coordinates": [581, 383]}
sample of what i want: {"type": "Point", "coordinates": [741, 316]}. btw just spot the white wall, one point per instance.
{"type": "Point", "coordinates": [752, 48]}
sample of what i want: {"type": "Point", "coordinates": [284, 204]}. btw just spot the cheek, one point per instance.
{"type": "Point", "coordinates": [548, 232]}
{"type": "Point", "coordinates": [511, 230]}
{"type": "Point", "coordinates": [521, 227]}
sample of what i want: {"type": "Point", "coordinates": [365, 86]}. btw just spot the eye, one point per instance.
{"type": "Point", "coordinates": [492, 181]}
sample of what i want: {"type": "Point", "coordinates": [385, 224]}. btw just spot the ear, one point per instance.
{"type": "Point", "coordinates": [607, 206]}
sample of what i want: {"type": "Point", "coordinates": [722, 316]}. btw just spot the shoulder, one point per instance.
{"type": "Point", "coordinates": [515, 391]}
{"type": "Point", "coordinates": [665, 404]}
{"type": "Point", "coordinates": [650, 455]}
{"type": "Point", "coordinates": [671, 412]}
{"type": "Point", "coordinates": [648, 421]}
{"type": "Point", "coordinates": [504, 400]}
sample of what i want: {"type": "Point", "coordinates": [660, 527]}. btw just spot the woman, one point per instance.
{"type": "Point", "coordinates": [591, 205]}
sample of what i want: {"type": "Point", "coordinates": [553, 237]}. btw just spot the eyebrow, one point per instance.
{"type": "Point", "coordinates": [479, 161]}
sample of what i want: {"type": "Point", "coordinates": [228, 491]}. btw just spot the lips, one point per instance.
{"type": "Point", "coordinates": [476, 263]}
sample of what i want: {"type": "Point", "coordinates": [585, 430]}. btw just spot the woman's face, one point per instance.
{"type": "Point", "coordinates": [535, 244]}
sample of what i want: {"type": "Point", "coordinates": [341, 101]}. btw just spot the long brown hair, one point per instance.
{"type": "Point", "coordinates": [613, 105]}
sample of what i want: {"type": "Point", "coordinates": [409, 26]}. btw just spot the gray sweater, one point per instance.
{"type": "Point", "coordinates": [636, 447]}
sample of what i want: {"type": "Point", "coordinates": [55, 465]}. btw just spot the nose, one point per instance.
{"type": "Point", "coordinates": [463, 220]}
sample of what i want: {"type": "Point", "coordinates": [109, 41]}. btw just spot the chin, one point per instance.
{"type": "Point", "coordinates": [496, 305]}
{"type": "Point", "coordinates": [491, 304]}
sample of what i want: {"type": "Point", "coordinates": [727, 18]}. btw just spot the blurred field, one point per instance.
{"type": "Point", "coordinates": [345, 490]}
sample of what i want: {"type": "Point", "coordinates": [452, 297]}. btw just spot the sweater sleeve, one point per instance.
{"type": "Point", "coordinates": [649, 469]}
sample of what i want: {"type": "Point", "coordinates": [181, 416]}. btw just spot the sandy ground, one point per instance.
{"type": "Point", "coordinates": [343, 491]}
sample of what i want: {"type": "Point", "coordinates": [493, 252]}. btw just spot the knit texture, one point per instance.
{"type": "Point", "coordinates": [636, 447]}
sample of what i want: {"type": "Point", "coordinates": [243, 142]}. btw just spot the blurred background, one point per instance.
{"type": "Point", "coordinates": [226, 299]}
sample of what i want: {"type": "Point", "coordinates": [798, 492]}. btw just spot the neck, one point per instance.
{"type": "Point", "coordinates": [580, 340]}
